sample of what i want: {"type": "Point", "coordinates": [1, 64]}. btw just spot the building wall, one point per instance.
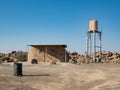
{"type": "Point", "coordinates": [47, 54]}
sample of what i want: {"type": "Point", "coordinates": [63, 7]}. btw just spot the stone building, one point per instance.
{"type": "Point", "coordinates": [48, 53]}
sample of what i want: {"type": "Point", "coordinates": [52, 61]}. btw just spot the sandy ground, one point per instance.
{"type": "Point", "coordinates": [63, 76]}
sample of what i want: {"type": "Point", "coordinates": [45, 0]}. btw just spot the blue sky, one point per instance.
{"type": "Point", "coordinates": [24, 22]}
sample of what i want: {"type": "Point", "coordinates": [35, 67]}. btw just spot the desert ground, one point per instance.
{"type": "Point", "coordinates": [62, 76]}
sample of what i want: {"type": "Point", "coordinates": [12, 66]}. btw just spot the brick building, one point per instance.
{"type": "Point", "coordinates": [48, 53]}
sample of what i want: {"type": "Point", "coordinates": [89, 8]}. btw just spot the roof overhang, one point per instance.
{"type": "Point", "coordinates": [50, 45]}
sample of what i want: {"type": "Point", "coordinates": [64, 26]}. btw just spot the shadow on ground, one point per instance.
{"type": "Point", "coordinates": [37, 75]}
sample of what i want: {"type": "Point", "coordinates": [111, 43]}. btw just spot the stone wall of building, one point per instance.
{"type": "Point", "coordinates": [47, 54]}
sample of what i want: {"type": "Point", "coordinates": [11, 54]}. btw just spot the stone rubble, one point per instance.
{"type": "Point", "coordinates": [107, 57]}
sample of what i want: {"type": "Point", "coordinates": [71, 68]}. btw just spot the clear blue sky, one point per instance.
{"type": "Point", "coordinates": [24, 22]}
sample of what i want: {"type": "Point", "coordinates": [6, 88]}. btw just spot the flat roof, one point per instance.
{"type": "Point", "coordinates": [48, 45]}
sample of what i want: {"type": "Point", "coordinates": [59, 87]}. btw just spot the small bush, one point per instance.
{"type": "Point", "coordinates": [21, 56]}
{"type": "Point", "coordinates": [4, 59]}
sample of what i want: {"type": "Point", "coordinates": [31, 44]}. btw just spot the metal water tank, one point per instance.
{"type": "Point", "coordinates": [93, 25]}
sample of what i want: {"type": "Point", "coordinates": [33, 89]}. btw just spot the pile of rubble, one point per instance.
{"type": "Point", "coordinates": [13, 56]}
{"type": "Point", "coordinates": [107, 57]}
{"type": "Point", "coordinates": [76, 58]}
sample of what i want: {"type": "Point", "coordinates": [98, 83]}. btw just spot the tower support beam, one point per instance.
{"type": "Point", "coordinates": [92, 46]}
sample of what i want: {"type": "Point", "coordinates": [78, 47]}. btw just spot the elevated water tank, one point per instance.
{"type": "Point", "coordinates": [93, 25]}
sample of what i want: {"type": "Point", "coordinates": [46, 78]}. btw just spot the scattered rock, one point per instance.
{"type": "Point", "coordinates": [107, 57]}
{"type": "Point", "coordinates": [53, 61]}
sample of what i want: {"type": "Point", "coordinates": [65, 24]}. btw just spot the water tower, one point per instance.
{"type": "Point", "coordinates": [93, 41]}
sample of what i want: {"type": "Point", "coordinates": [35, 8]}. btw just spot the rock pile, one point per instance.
{"type": "Point", "coordinates": [107, 57]}
{"type": "Point", "coordinates": [76, 58]}
{"type": "Point", "coordinates": [13, 56]}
